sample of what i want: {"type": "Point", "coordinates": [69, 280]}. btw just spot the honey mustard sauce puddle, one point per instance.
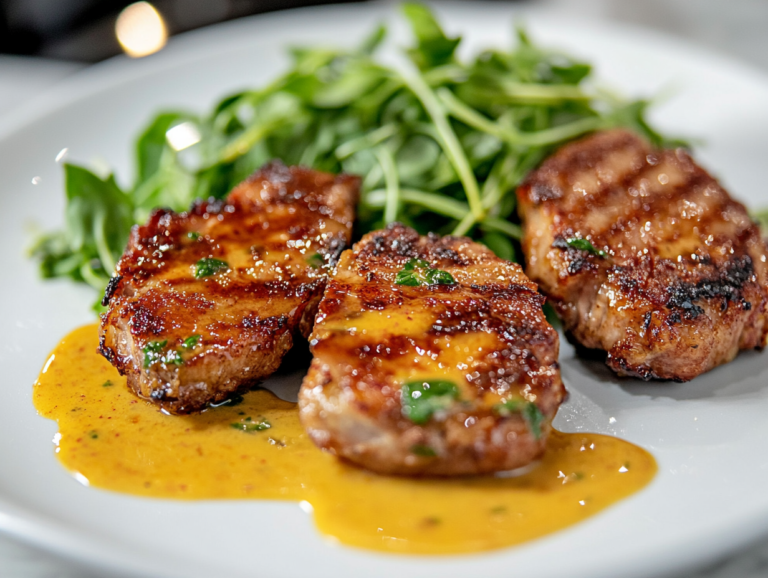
{"type": "Point", "coordinates": [258, 450]}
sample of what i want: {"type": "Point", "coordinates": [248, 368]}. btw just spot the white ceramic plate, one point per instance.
{"type": "Point", "coordinates": [708, 436]}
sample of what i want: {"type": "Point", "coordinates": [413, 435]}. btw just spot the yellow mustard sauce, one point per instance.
{"type": "Point", "coordinates": [110, 439]}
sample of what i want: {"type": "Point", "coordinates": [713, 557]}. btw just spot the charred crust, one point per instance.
{"type": "Point", "coordinates": [577, 259]}
{"type": "Point", "coordinates": [335, 249]}
{"type": "Point", "coordinates": [621, 365]}
{"type": "Point", "coordinates": [106, 351]}
{"type": "Point", "coordinates": [209, 206]}
{"type": "Point", "coordinates": [727, 286]}
{"type": "Point", "coordinates": [110, 290]}
{"type": "Point", "coordinates": [540, 193]}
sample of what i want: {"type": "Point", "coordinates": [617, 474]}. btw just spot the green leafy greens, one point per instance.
{"type": "Point", "coordinates": [441, 142]}
{"type": "Point", "coordinates": [417, 272]}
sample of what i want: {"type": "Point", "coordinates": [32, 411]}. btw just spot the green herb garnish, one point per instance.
{"type": "Point", "coordinates": [585, 245]}
{"type": "Point", "coordinates": [209, 266]}
{"type": "Point", "coordinates": [422, 398]}
{"type": "Point", "coordinates": [107, 383]}
{"type": "Point", "coordinates": [191, 341]}
{"type": "Point", "coordinates": [443, 142]}
{"type": "Point", "coordinates": [93, 434]}
{"type": "Point", "coordinates": [248, 425]}
{"type": "Point", "coordinates": [418, 272]}
{"type": "Point", "coordinates": [194, 235]}
{"type": "Point", "coordinates": [153, 352]}
{"type": "Point", "coordinates": [423, 451]}
{"type": "Point", "coordinates": [173, 357]}
{"type": "Point", "coordinates": [315, 261]}
{"type": "Point", "coordinates": [530, 412]}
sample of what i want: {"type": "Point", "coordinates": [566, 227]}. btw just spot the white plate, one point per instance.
{"type": "Point", "coordinates": [708, 436]}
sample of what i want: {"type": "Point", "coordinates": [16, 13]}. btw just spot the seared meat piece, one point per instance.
{"type": "Point", "coordinates": [431, 357]}
{"type": "Point", "coordinates": [207, 302]}
{"type": "Point", "coordinates": [681, 285]}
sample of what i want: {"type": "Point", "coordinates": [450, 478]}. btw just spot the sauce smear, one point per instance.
{"type": "Point", "coordinates": [258, 450]}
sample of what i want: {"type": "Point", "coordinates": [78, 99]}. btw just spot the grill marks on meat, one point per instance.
{"type": "Point", "coordinates": [277, 233]}
{"type": "Point", "coordinates": [683, 285]}
{"type": "Point", "coordinates": [486, 334]}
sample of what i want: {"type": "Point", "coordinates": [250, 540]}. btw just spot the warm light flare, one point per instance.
{"type": "Point", "coordinates": [140, 29]}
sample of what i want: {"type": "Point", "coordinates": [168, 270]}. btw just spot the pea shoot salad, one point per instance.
{"type": "Point", "coordinates": [440, 143]}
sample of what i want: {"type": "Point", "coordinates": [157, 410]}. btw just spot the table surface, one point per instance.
{"type": "Point", "coordinates": [736, 28]}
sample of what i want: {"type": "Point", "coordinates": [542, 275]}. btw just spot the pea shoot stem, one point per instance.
{"type": "Point", "coordinates": [471, 117]}
{"type": "Point", "coordinates": [392, 182]}
{"type": "Point", "coordinates": [448, 138]}
{"type": "Point", "coordinates": [437, 203]}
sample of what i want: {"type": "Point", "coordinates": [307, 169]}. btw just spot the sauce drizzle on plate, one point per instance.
{"type": "Point", "coordinates": [257, 450]}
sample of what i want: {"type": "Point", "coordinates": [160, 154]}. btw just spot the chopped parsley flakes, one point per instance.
{"type": "Point", "coordinates": [209, 266]}
{"type": "Point", "coordinates": [585, 245]}
{"type": "Point", "coordinates": [422, 398]}
{"type": "Point", "coordinates": [530, 412]}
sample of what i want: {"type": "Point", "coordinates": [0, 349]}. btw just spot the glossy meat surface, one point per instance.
{"type": "Point", "coordinates": [681, 286]}
{"type": "Point", "coordinates": [376, 343]}
{"type": "Point", "coordinates": [207, 302]}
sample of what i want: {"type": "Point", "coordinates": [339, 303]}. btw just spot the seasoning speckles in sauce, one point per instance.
{"type": "Point", "coordinates": [258, 450]}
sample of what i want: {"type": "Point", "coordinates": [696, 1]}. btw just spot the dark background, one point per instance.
{"type": "Point", "coordinates": [83, 30]}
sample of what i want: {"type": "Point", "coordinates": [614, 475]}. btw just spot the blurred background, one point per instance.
{"type": "Point", "coordinates": [85, 30]}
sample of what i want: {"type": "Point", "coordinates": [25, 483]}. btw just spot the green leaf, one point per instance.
{"type": "Point", "coordinates": [585, 245]}
{"type": "Point", "coordinates": [417, 272]}
{"type": "Point", "coordinates": [422, 398]}
{"type": "Point", "coordinates": [152, 143]}
{"type": "Point", "coordinates": [315, 260]}
{"type": "Point", "coordinates": [535, 418]}
{"type": "Point", "coordinates": [153, 352]}
{"type": "Point", "coordinates": [423, 451]}
{"type": "Point", "coordinates": [191, 341]}
{"type": "Point", "coordinates": [434, 48]}
{"type": "Point", "coordinates": [98, 216]}
{"type": "Point", "coordinates": [530, 412]}
{"type": "Point", "coordinates": [373, 40]}
{"type": "Point", "coordinates": [209, 266]}
{"type": "Point", "coordinates": [173, 357]}
{"type": "Point", "coordinates": [249, 426]}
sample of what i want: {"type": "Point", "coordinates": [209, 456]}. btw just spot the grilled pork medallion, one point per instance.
{"type": "Point", "coordinates": [431, 356]}
{"type": "Point", "coordinates": [645, 256]}
{"type": "Point", "coordinates": [206, 302]}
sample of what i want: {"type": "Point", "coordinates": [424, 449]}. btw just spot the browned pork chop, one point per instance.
{"type": "Point", "coordinates": [207, 302]}
{"type": "Point", "coordinates": [645, 256]}
{"type": "Point", "coordinates": [431, 357]}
